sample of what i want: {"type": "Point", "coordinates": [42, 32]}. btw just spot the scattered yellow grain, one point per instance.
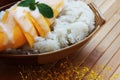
{"type": "Point", "coordinates": [62, 70]}
{"type": "Point", "coordinates": [115, 76]}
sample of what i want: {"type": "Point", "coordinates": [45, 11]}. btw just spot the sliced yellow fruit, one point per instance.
{"type": "Point", "coordinates": [48, 22]}
{"type": "Point", "coordinates": [38, 27]}
{"type": "Point", "coordinates": [1, 30]}
{"type": "Point", "coordinates": [40, 22]}
{"type": "Point", "coordinates": [26, 26]}
{"type": "Point", "coordinates": [3, 39]}
{"type": "Point", "coordinates": [60, 5]}
{"type": "Point", "coordinates": [56, 13]}
{"type": "Point", "coordinates": [45, 25]}
{"type": "Point", "coordinates": [57, 7]}
{"type": "Point", "coordinates": [29, 38]}
{"type": "Point", "coordinates": [5, 16]}
{"type": "Point", "coordinates": [14, 34]}
{"type": "Point", "coordinates": [2, 46]}
{"type": "Point", "coordinates": [19, 38]}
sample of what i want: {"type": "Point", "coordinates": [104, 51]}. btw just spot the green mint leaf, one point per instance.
{"type": "Point", "coordinates": [31, 1]}
{"type": "Point", "coordinates": [45, 10]}
{"type": "Point", "coordinates": [26, 3]}
{"type": "Point", "coordinates": [32, 7]}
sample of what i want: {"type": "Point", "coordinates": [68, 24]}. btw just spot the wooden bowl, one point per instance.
{"type": "Point", "coordinates": [52, 56]}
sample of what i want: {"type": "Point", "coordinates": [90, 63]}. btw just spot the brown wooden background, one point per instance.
{"type": "Point", "coordinates": [3, 2]}
{"type": "Point", "coordinates": [102, 50]}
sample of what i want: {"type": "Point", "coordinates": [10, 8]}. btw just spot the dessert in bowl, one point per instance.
{"type": "Point", "coordinates": [39, 39]}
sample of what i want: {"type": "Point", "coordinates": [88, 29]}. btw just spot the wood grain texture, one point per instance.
{"type": "Point", "coordinates": [102, 50]}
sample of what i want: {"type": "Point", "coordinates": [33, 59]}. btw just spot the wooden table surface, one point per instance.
{"type": "Point", "coordinates": [102, 50]}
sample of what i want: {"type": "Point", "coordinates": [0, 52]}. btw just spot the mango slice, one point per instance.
{"type": "Point", "coordinates": [3, 39]}
{"type": "Point", "coordinates": [38, 27]}
{"type": "Point", "coordinates": [2, 46]}
{"type": "Point", "coordinates": [40, 23]}
{"type": "Point", "coordinates": [5, 16]}
{"type": "Point", "coordinates": [14, 34]}
{"type": "Point", "coordinates": [26, 25]}
{"type": "Point", "coordinates": [18, 37]}
{"type": "Point", "coordinates": [57, 6]}
{"type": "Point", "coordinates": [29, 38]}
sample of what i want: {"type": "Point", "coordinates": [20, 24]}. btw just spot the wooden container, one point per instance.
{"type": "Point", "coordinates": [42, 58]}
